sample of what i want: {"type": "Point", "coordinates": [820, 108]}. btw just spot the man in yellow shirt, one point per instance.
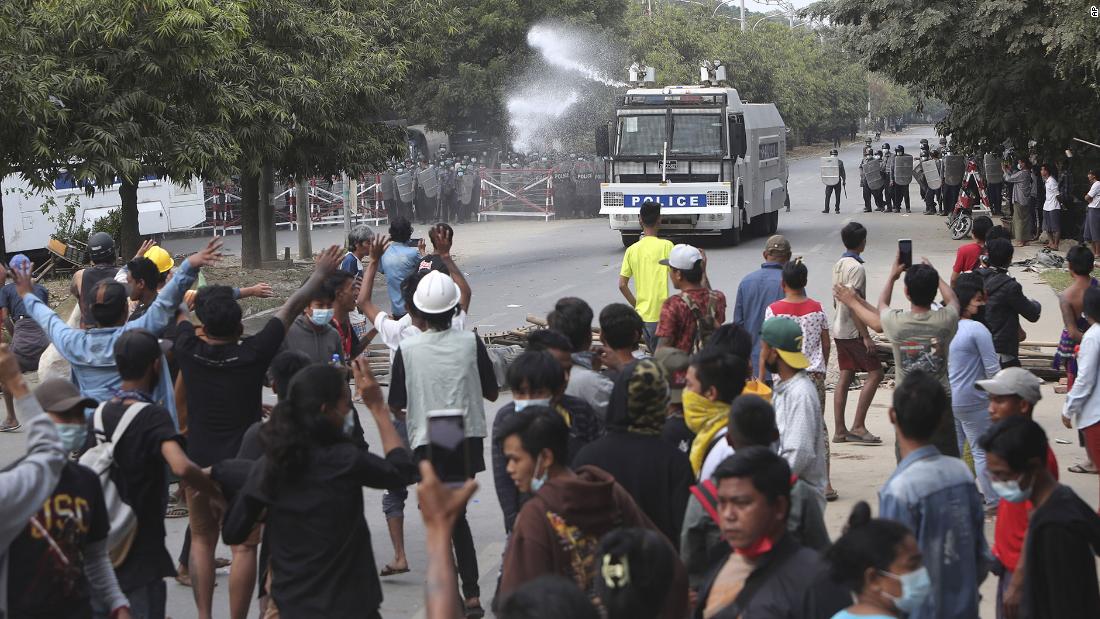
{"type": "Point", "coordinates": [642, 262]}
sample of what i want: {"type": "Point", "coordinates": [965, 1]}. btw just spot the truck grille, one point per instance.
{"type": "Point", "coordinates": [718, 198]}
{"type": "Point", "coordinates": [613, 199]}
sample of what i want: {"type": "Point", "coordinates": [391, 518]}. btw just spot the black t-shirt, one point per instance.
{"type": "Point", "coordinates": [399, 398]}
{"type": "Point", "coordinates": [224, 388]}
{"type": "Point", "coordinates": [142, 481]}
{"type": "Point", "coordinates": [39, 583]}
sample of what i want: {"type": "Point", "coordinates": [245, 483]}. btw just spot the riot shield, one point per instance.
{"type": "Point", "coordinates": [872, 173]}
{"type": "Point", "coordinates": [903, 169]}
{"type": "Point", "coordinates": [931, 174]}
{"type": "Point", "coordinates": [991, 165]}
{"type": "Point", "coordinates": [918, 171]}
{"type": "Point", "coordinates": [405, 189]}
{"type": "Point", "coordinates": [466, 187]}
{"type": "Point", "coordinates": [830, 170]}
{"type": "Point", "coordinates": [386, 185]}
{"type": "Point", "coordinates": [953, 168]}
{"type": "Point", "coordinates": [428, 179]}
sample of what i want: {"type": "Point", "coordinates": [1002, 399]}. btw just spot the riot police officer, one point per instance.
{"type": "Point", "coordinates": [888, 171]}
{"type": "Point", "coordinates": [565, 190]}
{"type": "Point", "coordinates": [831, 189]}
{"type": "Point", "coordinates": [448, 186]}
{"type": "Point", "coordinates": [867, 156]}
{"type": "Point", "coordinates": [588, 192]}
{"type": "Point", "coordinates": [899, 185]}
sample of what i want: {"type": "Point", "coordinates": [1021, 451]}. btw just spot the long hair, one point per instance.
{"type": "Point", "coordinates": [297, 424]}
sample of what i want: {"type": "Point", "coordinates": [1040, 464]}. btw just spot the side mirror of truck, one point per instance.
{"type": "Point", "coordinates": [603, 140]}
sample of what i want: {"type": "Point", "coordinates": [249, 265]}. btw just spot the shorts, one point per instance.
{"type": "Point", "coordinates": [28, 342]}
{"type": "Point", "coordinates": [1092, 225]}
{"type": "Point", "coordinates": [852, 355]}
{"type": "Point", "coordinates": [200, 514]}
{"type": "Point", "coordinates": [1052, 221]}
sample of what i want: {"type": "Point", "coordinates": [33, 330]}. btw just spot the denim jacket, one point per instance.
{"type": "Point", "coordinates": [934, 495]}
{"type": "Point", "coordinates": [755, 293]}
{"type": "Point", "coordinates": [92, 352]}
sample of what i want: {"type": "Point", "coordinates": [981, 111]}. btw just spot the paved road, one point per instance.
{"type": "Point", "coordinates": [521, 267]}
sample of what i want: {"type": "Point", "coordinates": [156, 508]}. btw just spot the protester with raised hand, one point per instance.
{"type": "Point", "coordinates": [28, 482]}
{"type": "Point", "coordinates": [223, 376]}
{"type": "Point", "coordinates": [91, 352]}
{"type": "Point", "coordinates": [440, 507]}
{"type": "Point", "coordinates": [310, 483]}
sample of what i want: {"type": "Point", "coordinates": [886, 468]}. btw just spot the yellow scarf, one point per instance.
{"type": "Point", "coordinates": [705, 418]}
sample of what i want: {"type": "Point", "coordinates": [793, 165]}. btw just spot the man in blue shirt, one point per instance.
{"type": "Point", "coordinates": [27, 339]}
{"type": "Point", "coordinates": [398, 262]}
{"type": "Point", "coordinates": [91, 353]}
{"type": "Point", "coordinates": [760, 289]}
{"type": "Point", "coordinates": [934, 495]}
{"type": "Point", "coordinates": [359, 240]}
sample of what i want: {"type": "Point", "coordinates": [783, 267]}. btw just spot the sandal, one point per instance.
{"type": "Point", "coordinates": [474, 612]}
{"type": "Point", "coordinates": [832, 495]}
{"type": "Point", "coordinates": [220, 563]}
{"type": "Point", "coordinates": [1080, 468]}
{"type": "Point", "coordinates": [176, 512]}
{"type": "Point", "coordinates": [864, 439]}
{"type": "Point", "coordinates": [11, 428]}
{"type": "Point", "coordinates": [392, 571]}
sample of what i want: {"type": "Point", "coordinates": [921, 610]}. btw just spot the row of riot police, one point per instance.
{"type": "Point", "coordinates": [884, 176]}
{"type": "Point", "coordinates": [446, 191]}
{"type": "Point", "coordinates": [576, 186]}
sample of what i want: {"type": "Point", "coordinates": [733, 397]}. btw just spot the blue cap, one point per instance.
{"type": "Point", "coordinates": [20, 261]}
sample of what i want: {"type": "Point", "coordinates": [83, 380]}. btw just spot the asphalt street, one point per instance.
{"type": "Point", "coordinates": [521, 267]}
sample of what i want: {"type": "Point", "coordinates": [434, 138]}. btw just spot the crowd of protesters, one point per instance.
{"type": "Point", "coordinates": [677, 466]}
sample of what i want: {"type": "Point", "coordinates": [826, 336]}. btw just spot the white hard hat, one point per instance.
{"type": "Point", "coordinates": [436, 293]}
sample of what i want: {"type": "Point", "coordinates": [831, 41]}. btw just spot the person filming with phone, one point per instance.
{"type": "Point", "coordinates": [920, 336]}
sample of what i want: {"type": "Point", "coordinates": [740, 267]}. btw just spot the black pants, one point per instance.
{"type": "Point", "coordinates": [866, 197]}
{"type": "Point", "coordinates": [901, 192]}
{"type": "Point", "coordinates": [829, 191]}
{"type": "Point", "coordinates": [880, 202]}
{"type": "Point", "coordinates": [993, 191]}
{"type": "Point", "coordinates": [466, 557]}
{"type": "Point", "coordinates": [950, 197]}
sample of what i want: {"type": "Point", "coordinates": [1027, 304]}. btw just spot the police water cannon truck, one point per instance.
{"type": "Point", "coordinates": [716, 164]}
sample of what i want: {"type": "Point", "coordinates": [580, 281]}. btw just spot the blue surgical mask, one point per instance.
{"type": "Point", "coordinates": [349, 423]}
{"type": "Point", "coordinates": [538, 481]}
{"type": "Point", "coordinates": [72, 435]}
{"type": "Point", "coordinates": [1011, 491]}
{"type": "Point", "coordinates": [915, 588]}
{"type": "Point", "coordinates": [522, 404]}
{"type": "Point", "coordinates": [321, 317]}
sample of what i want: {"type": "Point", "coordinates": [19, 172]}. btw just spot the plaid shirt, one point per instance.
{"type": "Point", "coordinates": [678, 324]}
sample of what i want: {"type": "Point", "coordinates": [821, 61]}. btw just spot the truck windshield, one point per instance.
{"type": "Point", "coordinates": [696, 134]}
{"type": "Point", "coordinates": [642, 135]}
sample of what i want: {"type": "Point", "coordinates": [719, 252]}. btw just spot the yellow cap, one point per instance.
{"type": "Point", "coordinates": [161, 258]}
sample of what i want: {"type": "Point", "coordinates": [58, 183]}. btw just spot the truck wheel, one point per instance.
{"type": "Point", "coordinates": [629, 239]}
{"type": "Point", "coordinates": [773, 222]}
{"type": "Point", "coordinates": [731, 237]}
{"type": "Point", "coordinates": [760, 224]}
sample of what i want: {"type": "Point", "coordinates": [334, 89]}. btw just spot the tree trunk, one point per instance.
{"type": "Point", "coordinates": [131, 236]}
{"type": "Point", "coordinates": [267, 213]}
{"type": "Point", "coordinates": [305, 240]}
{"type": "Point", "coordinates": [250, 220]}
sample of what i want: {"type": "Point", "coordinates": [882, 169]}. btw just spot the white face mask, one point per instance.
{"type": "Point", "coordinates": [321, 317]}
{"type": "Point", "coordinates": [538, 481]}
{"type": "Point", "coordinates": [522, 404]}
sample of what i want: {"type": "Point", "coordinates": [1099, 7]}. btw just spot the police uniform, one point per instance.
{"type": "Point", "coordinates": [565, 191]}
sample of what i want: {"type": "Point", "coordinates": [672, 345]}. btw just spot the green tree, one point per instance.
{"type": "Point", "coordinates": [1007, 70]}
{"type": "Point", "coordinates": [135, 84]}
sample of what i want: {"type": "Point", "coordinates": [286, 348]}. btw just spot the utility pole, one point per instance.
{"type": "Point", "coordinates": [305, 240]}
{"type": "Point", "coordinates": [349, 197]}
{"type": "Point", "coordinates": [742, 15]}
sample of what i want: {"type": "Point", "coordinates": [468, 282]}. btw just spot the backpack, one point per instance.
{"type": "Point", "coordinates": [101, 460]}
{"type": "Point", "coordinates": [705, 324]}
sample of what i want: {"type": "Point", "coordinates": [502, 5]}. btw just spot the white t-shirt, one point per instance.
{"type": "Point", "coordinates": [392, 332]}
{"type": "Point", "coordinates": [716, 455]}
{"type": "Point", "coordinates": [1051, 201]}
{"type": "Point", "coordinates": [1094, 195]}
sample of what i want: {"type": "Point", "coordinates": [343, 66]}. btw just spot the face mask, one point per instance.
{"type": "Point", "coordinates": [321, 317]}
{"type": "Point", "coordinates": [772, 366]}
{"type": "Point", "coordinates": [1011, 491]}
{"type": "Point", "coordinates": [349, 423]}
{"type": "Point", "coordinates": [699, 411]}
{"type": "Point", "coordinates": [1019, 166]}
{"type": "Point", "coordinates": [522, 404]}
{"type": "Point", "coordinates": [758, 548]}
{"type": "Point", "coordinates": [915, 587]}
{"type": "Point", "coordinates": [72, 435]}
{"type": "Point", "coordinates": [538, 481]}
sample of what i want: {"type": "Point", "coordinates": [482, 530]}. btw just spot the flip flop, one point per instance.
{"type": "Point", "coordinates": [866, 439]}
{"type": "Point", "coordinates": [11, 428]}
{"type": "Point", "coordinates": [220, 563]}
{"type": "Point", "coordinates": [392, 571]}
{"type": "Point", "coordinates": [1078, 468]}
{"type": "Point", "coordinates": [176, 512]}
{"type": "Point", "coordinates": [832, 495]}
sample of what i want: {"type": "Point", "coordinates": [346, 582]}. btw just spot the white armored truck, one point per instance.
{"type": "Point", "coordinates": [717, 165]}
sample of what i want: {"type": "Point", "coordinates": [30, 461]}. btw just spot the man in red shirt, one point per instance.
{"type": "Point", "coordinates": [688, 319]}
{"type": "Point", "coordinates": [967, 257]}
{"type": "Point", "coordinates": [1013, 392]}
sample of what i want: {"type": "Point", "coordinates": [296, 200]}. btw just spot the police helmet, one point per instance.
{"type": "Point", "coordinates": [101, 247]}
{"type": "Point", "coordinates": [833, 153]}
{"type": "Point", "coordinates": [886, 146]}
{"type": "Point", "coordinates": [899, 149]}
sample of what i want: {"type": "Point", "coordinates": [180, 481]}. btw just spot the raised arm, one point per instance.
{"type": "Point", "coordinates": [163, 310]}
{"type": "Point", "coordinates": [365, 300]}
{"type": "Point", "coordinates": [59, 331]}
{"type": "Point", "coordinates": [863, 314]}
{"type": "Point", "coordinates": [326, 263]}
{"type": "Point", "coordinates": [888, 291]}
{"type": "Point", "coordinates": [442, 237]}
{"type": "Point", "coordinates": [440, 507]}
{"type": "Point", "coordinates": [946, 293]}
